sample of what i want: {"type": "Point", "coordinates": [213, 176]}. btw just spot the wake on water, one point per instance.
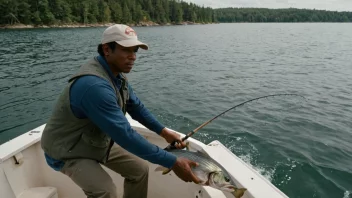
{"type": "Point", "coordinates": [267, 173]}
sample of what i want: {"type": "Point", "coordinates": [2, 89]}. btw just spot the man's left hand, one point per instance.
{"type": "Point", "coordinates": [171, 136]}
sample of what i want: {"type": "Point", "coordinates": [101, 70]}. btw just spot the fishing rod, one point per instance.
{"type": "Point", "coordinates": [172, 145]}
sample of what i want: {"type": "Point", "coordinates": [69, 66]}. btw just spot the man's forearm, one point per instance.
{"type": "Point", "coordinates": [146, 118]}
{"type": "Point", "coordinates": [139, 112]}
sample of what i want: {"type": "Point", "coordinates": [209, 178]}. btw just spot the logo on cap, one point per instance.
{"type": "Point", "coordinates": [130, 32]}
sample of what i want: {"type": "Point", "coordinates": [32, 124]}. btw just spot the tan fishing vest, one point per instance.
{"type": "Point", "coordinates": [67, 137]}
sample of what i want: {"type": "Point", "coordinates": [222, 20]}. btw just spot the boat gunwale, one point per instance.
{"type": "Point", "coordinates": [26, 140]}
{"type": "Point", "coordinates": [22, 142]}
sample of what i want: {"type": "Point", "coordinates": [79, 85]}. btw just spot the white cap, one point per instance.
{"type": "Point", "coordinates": [123, 35]}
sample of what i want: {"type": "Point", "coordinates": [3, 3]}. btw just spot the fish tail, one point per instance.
{"type": "Point", "coordinates": [238, 193]}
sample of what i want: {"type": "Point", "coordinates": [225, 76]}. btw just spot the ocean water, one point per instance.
{"type": "Point", "coordinates": [193, 73]}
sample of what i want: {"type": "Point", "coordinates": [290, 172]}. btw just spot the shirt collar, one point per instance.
{"type": "Point", "coordinates": [105, 65]}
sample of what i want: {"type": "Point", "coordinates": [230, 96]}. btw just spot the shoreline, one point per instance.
{"type": "Point", "coordinates": [142, 24]}
{"type": "Point", "coordinates": [79, 25]}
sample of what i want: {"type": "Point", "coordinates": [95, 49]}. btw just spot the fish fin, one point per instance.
{"type": "Point", "coordinates": [163, 169]}
{"type": "Point", "coordinates": [238, 193]}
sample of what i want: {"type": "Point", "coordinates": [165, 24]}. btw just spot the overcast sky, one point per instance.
{"type": "Point", "coordinates": [336, 5]}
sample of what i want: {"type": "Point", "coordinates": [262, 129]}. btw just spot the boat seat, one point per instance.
{"type": "Point", "coordinates": [39, 192]}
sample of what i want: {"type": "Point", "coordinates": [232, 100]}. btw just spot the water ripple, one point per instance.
{"type": "Point", "coordinates": [192, 73]}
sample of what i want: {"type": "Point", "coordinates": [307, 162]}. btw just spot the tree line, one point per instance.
{"type": "Point", "coordinates": [50, 12]}
{"type": "Point", "coordinates": [280, 15]}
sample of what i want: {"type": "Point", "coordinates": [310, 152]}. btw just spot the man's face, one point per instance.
{"type": "Point", "coordinates": [121, 59]}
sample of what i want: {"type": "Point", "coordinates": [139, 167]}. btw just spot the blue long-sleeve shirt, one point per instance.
{"type": "Point", "coordinates": [92, 97]}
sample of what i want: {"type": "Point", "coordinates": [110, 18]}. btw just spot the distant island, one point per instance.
{"type": "Point", "coordinates": [73, 13]}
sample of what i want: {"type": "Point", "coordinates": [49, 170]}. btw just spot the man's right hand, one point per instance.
{"type": "Point", "coordinates": [183, 169]}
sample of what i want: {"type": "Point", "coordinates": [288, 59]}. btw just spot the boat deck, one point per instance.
{"type": "Point", "coordinates": [23, 167]}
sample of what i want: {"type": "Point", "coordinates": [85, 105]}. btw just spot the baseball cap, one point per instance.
{"type": "Point", "coordinates": [123, 35]}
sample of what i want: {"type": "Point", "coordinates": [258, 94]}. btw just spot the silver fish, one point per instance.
{"type": "Point", "coordinates": [210, 172]}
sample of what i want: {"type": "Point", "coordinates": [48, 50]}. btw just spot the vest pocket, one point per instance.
{"type": "Point", "coordinates": [99, 140]}
{"type": "Point", "coordinates": [76, 142]}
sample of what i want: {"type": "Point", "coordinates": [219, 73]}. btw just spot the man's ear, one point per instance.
{"type": "Point", "coordinates": [106, 49]}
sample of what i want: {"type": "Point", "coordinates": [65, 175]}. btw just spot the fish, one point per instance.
{"type": "Point", "coordinates": [209, 171]}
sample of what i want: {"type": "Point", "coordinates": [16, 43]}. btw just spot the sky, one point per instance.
{"type": "Point", "coordinates": [334, 5]}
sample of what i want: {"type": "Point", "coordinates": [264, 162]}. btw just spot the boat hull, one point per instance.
{"type": "Point", "coordinates": [23, 167]}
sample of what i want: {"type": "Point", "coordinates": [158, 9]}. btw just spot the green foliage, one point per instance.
{"type": "Point", "coordinates": [48, 12]}
{"type": "Point", "coordinates": [45, 14]}
{"type": "Point", "coordinates": [138, 14]}
{"type": "Point", "coordinates": [116, 11]}
{"type": "Point", "coordinates": [126, 16]}
{"type": "Point", "coordinates": [61, 11]}
{"type": "Point", "coordinates": [280, 15]}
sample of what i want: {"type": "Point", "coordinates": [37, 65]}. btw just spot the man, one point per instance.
{"type": "Point", "coordinates": [88, 126]}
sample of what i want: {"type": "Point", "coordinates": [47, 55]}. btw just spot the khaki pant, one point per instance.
{"type": "Point", "coordinates": [95, 181]}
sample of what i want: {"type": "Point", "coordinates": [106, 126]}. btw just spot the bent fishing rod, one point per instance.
{"type": "Point", "coordinates": [172, 145]}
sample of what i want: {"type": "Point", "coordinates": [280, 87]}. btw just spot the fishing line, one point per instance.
{"type": "Point", "coordinates": [172, 145]}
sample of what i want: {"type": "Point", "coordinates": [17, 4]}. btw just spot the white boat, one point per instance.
{"type": "Point", "coordinates": [25, 174]}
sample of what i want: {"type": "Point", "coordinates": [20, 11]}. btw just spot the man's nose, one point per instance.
{"type": "Point", "coordinates": [132, 56]}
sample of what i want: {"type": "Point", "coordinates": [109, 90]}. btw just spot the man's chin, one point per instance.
{"type": "Point", "coordinates": [127, 71]}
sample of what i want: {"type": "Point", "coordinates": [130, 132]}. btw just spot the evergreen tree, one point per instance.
{"type": "Point", "coordinates": [166, 7]}
{"type": "Point", "coordinates": [44, 12]}
{"type": "Point", "coordinates": [105, 12]}
{"type": "Point", "coordinates": [150, 9]}
{"type": "Point", "coordinates": [126, 17]}
{"type": "Point", "coordinates": [24, 14]}
{"type": "Point", "coordinates": [61, 10]}
{"type": "Point", "coordinates": [160, 16]}
{"type": "Point", "coordinates": [179, 13]}
{"type": "Point", "coordinates": [93, 12]}
{"type": "Point", "coordinates": [47, 12]}
{"type": "Point", "coordinates": [116, 12]}
{"type": "Point", "coordinates": [9, 11]}
{"type": "Point", "coordinates": [139, 14]}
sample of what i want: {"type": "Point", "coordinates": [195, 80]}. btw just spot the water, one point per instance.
{"type": "Point", "coordinates": [192, 73]}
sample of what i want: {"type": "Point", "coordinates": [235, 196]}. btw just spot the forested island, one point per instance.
{"type": "Point", "coordinates": [74, 13]}
{"type": "Point", "coordinates": [280, 15]}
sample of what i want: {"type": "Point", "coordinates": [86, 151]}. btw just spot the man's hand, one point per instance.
{"type": "Point", "coordinates": [183, 169]}
{"type": "Point", "coordinates": [171, 136]}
